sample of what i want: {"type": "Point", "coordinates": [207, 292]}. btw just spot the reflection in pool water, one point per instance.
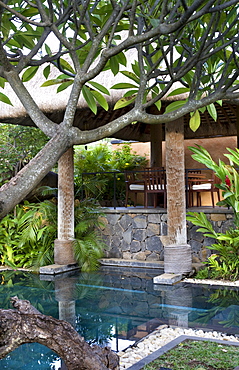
{"type": "Point", "coordinates": [115, 307]}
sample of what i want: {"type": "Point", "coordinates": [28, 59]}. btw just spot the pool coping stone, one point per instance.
{"type": "Point", "coordinates": [131, 263]}
{"type": "Point", "coordinates": [167, 279]}
{"type": "Point", "coordinates": [175, 342]}
{"type": "Point", "coordinates": [58, 269]}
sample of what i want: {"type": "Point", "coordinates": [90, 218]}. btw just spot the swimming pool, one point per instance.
{"type": "Point", "coordinates": [115, 307]}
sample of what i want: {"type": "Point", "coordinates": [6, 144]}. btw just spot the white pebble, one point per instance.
{"type": "Point", "coordinates": [158, 339]}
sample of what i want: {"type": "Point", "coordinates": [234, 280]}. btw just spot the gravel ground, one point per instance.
{"type": "Point", "coordinates": [159, 338]}
{"type": "Point", "coordinates": [165, 334]}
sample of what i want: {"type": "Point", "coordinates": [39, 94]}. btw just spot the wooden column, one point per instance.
{"type": "Point", "coordinates": [63, 249]}
{"type": "Point", "coordinates": [156, 145]}
{"type": "Point", "coordinates": [237, 124]}
{"type": "Point", "coordinates": [177, 254]}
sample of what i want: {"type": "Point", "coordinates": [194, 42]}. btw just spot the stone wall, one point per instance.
{"type": "Point", "coordinates": [135, 233]}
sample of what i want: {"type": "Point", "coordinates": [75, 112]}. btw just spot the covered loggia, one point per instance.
{"type": "Point", "coordinates": [174, 134]}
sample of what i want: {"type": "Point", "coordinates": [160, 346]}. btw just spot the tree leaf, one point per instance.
{"type": "Point", "coordinates": [122, 59]}
{"type": "Point", "coordinates": [175, 105]}
{"type": "Point", "coordinates": [131, 75]}
{"type": "Point", "coordinates": [99, 87]}
{"type": "Point", "coordinates": [158, 104]}
{"type": "Point", "coordinates": [5, 99]}
{"type": "Point", "coordinates": [130, 93]}
{"type": "Point", "coordinates": [64, 85]}
{"type": "Point", "coordinates": [89, 98]}
{"type": "Point", "coordinates": [180, 90]}
{"type": "Point", "coordinates": [155, 22]}
{"type": "Point", "coordinates": [48, 50]}
{"type": "Point", "coordinates": [123, 102]}
{"type": "Point", "coordinates": [212, 111]}
{"type": "Point", "coordinates": [66, 66]}
{"type": "Point", "coordinates": [101, 99]}
{"type": "Point", "coordinates": [46, 71]}
{"type": "Point", "coordinates": [55, 81]}
{"type": "Point", "coordinates": [2, 82]}
{"type": "Point", "coordinates": [114, 65]}
{"type": "Point", "coordinates": [123, 85]}
{"type": "Point", "coordinates": [29, 73]}
{"type": "Point", "coordinates": [195, 121]}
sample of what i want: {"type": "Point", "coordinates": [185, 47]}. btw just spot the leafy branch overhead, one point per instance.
{"type": "Point", "coordinates": [165, 49]}
{"type": "Point", "coordinates": [113, 53]}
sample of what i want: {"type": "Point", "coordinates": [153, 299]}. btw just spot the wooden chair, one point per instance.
{"type": "Point", "coordinates": [205, 185]}
{"type": "Point", "coordinates": [134, 184]}
{"type": "Point", "coordinates": [155, 183]}
{"type": "Point", "coordinates": [192, 177]}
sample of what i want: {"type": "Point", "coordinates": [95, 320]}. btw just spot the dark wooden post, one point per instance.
{"type": "Point", "coordinates": [156, 145]}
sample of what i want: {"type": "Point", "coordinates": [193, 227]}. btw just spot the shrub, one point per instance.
{"type": "Point", "coordinates": [27, 235]}
{"type": "Point", "coordinates": [224, 263]}
{"type": "Point", "coordinates": [101, 159]}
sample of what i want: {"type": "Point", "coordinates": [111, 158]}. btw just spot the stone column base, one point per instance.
{"type": "Point", "coordinates": [178, 259]}
{"type": "Point", "coordinates": [63, 252]}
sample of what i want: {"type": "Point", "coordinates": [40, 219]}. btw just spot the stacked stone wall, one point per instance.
{"type": "Point", "coordinates": [131, 235]}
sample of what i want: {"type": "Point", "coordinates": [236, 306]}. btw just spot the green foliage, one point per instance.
{"type": "Point", "coordinates": [101, 159]}
{"type": "Point", "coordinates": [27, 235]}
{"type": "Point", "coordinates": [199, 52]}
{"type": "Point", "coordinates": [89, 246]}
{"type": "Point", "coordinates": [18, 146]}
{"type": "Point", "coordinates": [228, 174]}
{"type": "Point", "coordinates": [225, 263]}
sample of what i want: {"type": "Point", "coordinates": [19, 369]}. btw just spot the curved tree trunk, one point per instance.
{"type": "Point", "coordinates": [28, 325]}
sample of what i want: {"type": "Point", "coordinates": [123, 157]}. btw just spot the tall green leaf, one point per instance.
{"type": "Point", "coordinates": [29, 73]}
{"type": "Point", "coordinates": [195, 121]}
{"type": "Point", "coordinates": [89, 98]}
{"type": "Point", "coordinates": [100, 99]}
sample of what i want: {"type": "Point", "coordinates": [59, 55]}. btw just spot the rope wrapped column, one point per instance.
{"type": "Point", "coordinates": [177, 253]}
{"type": "Point", "coordinates": [63, 247]}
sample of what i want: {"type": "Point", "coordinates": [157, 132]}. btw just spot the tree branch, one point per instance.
{"type": "Point", "coordinates": [28, 325]}
{"type": "Point", "coordinates": [24, 19]}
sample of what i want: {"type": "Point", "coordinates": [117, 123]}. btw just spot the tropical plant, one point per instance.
{"type": "Point", "coordinates": [227, 173]}
{"type": "Point", "coordinates": [93, 160]}
{"type": "Point", "coordinates": [110, 164]}
{"type": "Point", "coordinates": [89, 246]}
{"type": "Point", "coordinates": [18, 146]}
{"type": "Point", "coordinates": [224, 263]}
{"type": "Point", "coordinates": [28, 234]}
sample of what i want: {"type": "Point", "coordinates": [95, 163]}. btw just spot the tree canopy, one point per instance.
{"type": "Point", "coordinates": [162, 50]}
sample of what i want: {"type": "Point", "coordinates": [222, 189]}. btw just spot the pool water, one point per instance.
{"type": "Point", "coordinates": [115, 307]}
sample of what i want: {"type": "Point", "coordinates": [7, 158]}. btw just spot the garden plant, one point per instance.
{"type": "Point", "coordinates": [223, 262]}
{"type": "Point", "coordinates": [105, 165]}
{"type": "Point", "coordinates": [27, 235]}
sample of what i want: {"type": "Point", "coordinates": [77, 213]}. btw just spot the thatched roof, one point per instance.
{"type": "Point", "coordinates": [53, 105]}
